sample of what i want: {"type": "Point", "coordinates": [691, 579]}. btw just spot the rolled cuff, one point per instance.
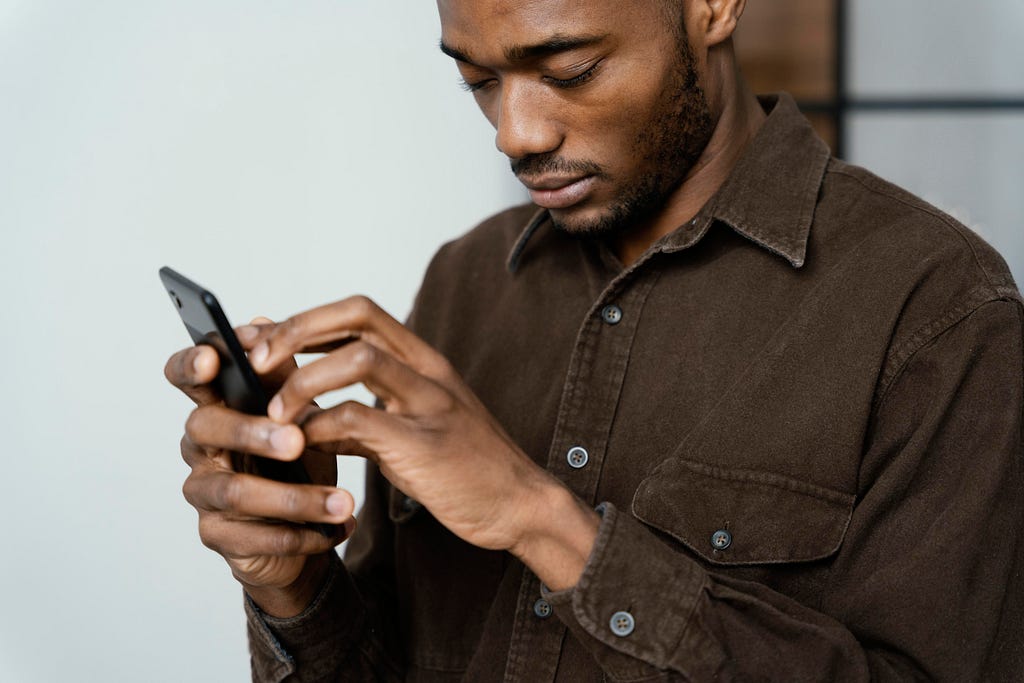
{"type": "Point", "coordinates": [311, 643]}
{"type": "Point", "coordinates": [633, 605]}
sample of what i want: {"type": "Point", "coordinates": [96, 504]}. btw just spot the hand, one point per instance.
{"type": "Point", "coordinates": [433, 439]}
{"type": "Point", "coordinates": [256, 523]}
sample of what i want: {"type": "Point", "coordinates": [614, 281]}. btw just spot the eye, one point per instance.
{"type": "Point", "coordinates": [475, 86]}
{"type": "Point", "coordinates": [577, 80]}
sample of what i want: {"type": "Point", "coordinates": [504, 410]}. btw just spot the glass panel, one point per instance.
{"type": "Point", "coordinates": [936, 47]}
{"type": "Point", "coordinates": [966, 164]}
{"type": "Point", "coordinates": [790, 45]}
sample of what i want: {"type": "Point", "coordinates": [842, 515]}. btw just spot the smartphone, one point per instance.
{"type": "Point", "coordinates": [237, 382]}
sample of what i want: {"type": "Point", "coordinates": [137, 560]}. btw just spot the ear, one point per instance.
{"type": "Point", "coordinates": [718, 19]}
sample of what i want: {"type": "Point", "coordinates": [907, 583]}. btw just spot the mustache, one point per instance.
{"type": "Point", "coordinates": [535, 165]}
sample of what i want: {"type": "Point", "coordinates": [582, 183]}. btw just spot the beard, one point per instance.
{"type": "Point", "coordinates": [667, 146]}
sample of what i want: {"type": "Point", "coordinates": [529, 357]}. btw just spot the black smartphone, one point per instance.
{"type": "Point", "coordinates": [237, 382]}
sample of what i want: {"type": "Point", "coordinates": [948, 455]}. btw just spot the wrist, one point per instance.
{"type": "Point", "coordinates": [559, 537]}
{"type": "Point", "coordinates": [291, 600]}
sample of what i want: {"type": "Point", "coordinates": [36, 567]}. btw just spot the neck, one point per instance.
{"type": "Point", "coordinates": [739, 117]}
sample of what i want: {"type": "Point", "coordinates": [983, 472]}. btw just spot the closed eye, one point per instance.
{"type": "Point", "coordinates": [475, 85]}
{"type": "Point", "coordinates": [577, 80]}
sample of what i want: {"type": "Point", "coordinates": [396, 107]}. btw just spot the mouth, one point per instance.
{"type": "Point", "coordinates": [554, 192]}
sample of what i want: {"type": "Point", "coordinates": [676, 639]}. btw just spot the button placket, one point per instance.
{"type": "Point", "coordinates": [590, 395]}
{"type": "Point", "coordinates": [611, 314]}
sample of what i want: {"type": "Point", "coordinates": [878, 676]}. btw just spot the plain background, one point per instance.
{"type": "Point", "coordinates": [284, 154]}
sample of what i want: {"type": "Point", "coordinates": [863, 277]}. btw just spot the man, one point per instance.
{"type": "Point", "coordinates": [791, 391]}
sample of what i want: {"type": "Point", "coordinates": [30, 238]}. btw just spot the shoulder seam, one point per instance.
{"type": "Point", "coordinates": [900, 355]}
{"type": "Point", "coordinates": [1000, 289]}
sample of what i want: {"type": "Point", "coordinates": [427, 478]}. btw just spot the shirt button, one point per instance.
{"type": "Point", "coordinates": [577, 457]}
{"type": "Point", "coordinates": [622, 624]}
{"type": "Point", "coordinates": [542, 608]}
{"type": "Point", "coordinates": [721, 539]}
{"type": "Point", "coordinates": [611, 314]}
{"type": "Point", "coordinates": [410, 505]}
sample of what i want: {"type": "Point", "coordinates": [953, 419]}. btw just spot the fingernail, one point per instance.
{"type": "Point", "coordinates": [247, 332]}
{"type": "Point", "coordinates": [259, 355]}
{"type": "Point", "coordinates": [275, 408]}
{"type": "Point", "coordinates": [337, 504]}
{"type": "Point", "coordinates": [285, 439]}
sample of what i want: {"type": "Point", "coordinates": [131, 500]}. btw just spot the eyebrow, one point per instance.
{"type": "Point", "coordinates": [525, 53]}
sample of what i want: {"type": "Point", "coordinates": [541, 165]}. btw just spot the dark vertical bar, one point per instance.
{"type": "Point", "coordinates": [841, 96]}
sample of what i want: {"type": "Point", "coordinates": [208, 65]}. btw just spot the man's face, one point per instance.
{"type": "Point", "coordinates": [596, 103]}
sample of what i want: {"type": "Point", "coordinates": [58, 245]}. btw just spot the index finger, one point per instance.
{"type": "Point", "coordinates": [354, 318]}
{"type": "Point", "coordinates": [191, 370]}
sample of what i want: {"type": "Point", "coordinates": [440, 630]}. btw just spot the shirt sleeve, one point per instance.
{"type": "Point", "coordinates": [347, 633]}
{"type": "Point", "coordinates": [928, 582]}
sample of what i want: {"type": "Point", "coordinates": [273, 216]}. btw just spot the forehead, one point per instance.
{"type": "Point", "coordinates": [484, 26]}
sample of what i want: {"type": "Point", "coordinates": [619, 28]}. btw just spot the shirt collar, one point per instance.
{"type": "Point", "coordinates": [769, 197]}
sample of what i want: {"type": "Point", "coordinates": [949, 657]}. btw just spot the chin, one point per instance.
{"type": "Point", "coordinates": [586, 222]}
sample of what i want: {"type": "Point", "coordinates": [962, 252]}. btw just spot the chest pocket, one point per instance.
{"type": "Point", "coordinates": [743, 517]}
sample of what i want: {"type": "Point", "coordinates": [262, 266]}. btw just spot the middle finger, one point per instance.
{"type": "Point", "coordinates": [390, 380]}
{"type": "Point", "coordinates": [216, 426]}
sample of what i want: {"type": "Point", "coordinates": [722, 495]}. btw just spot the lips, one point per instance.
{"type": "Point", "coordinates": [559, 193]}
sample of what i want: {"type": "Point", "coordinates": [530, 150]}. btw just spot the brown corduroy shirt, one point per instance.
{"type": "Point", "coordinates": [800, 413]}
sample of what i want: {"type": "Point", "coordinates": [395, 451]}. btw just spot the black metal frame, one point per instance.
{"type": "Point", "coordinates": [842, 103]}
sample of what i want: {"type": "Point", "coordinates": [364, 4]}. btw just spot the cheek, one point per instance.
{"type": "Point", "coordinates": [624, 104]}
{"type": "Point", "coordinates": [608, 131]}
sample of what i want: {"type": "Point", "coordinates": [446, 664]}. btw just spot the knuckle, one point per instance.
{"type": "Point", "coordinates": [287, 541]}
{"type": "Point", "coordinates": [345, 414]}
{"type": "Point", "coordinates": [361, 307]}
{"type": "Point", "coordinates": [194, 423]}
{"type": "Point", "coordinates": [206, 533]}
{"type": "Point", "coordinates": [291, 502]}
{"type": "Point", "coordinates": [439, 368]}
{"type": "Point", "coordinates": [189, 491]}
{"type": "Point", "coordinates": [298, 384]}
{"type": "Point", "coordinates": [446, 403]}
{"type": "Point", "coordinates": [231, 492]}
{"type": "Point", "coordinates": [187, 449]}
{"type": "Point", "coordinates": [365, 356]}
{"type": "Point", "coordinates": [291, 329]}
{"type": "Point", "coordinates": [244, 434]}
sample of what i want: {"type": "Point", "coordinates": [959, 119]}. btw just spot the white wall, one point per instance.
{"type": "Point", "coordinates": [282, 153]}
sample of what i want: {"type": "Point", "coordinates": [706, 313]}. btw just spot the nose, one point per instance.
{"type": "Point", "coordinates": [523, 125]}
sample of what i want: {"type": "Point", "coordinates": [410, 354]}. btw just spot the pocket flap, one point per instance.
{"type": "Point", "coordinates": [766, 518]}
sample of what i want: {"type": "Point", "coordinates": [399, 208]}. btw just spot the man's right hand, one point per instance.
{"type": "Point", "coordinates": [256, 524]}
